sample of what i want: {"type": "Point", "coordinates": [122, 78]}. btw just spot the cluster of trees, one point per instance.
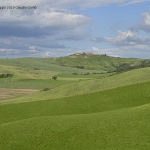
{"type": "Point", "coordinates": [6, 75]}
{"type": "Point", "coordinates": [126, 66]}
{"type": "Point", "coordinates": [54, 78]}
{"type": "Point", "coordinates": [75, 73]}
{"type": "Point", "coordinates": [80, 67]}
{"type": "Point", "coordinates": [87, 73]}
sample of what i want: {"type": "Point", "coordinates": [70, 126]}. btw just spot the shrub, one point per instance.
{"type": "Point", "coordinates": [6, 75]}
{"type": "Point", "coordinates": [75, 73]}
{"type": "Point", "coordinates": [54, 78]}
{"type": "Point", "coordinates": [46, 89]}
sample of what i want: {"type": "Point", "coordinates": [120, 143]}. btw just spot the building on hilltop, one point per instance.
{"type": "Point", "coordinates": [102, 54]}
{"type": "Point", "coordinates": [87, 53]}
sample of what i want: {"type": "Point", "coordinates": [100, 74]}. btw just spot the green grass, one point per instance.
{"type": "Point", "coordinates": [25, 73]}
{"type": "Point", "coordinates": [108, 120]}
{"type": "Point", "coordinates": [107, 100]}
{"type": "Point", "coordinates": [95, 62]}
{"type": "Point", "coordinates": [38, 84]}
{"type": "Point", "coordinates": [80, 87]}
{"type": "Point", "coordinates": [79, 112]}
{"type": "Point", "coordinates": [44, 64]}
{"type": "Point", "coordinates": [122, 129]}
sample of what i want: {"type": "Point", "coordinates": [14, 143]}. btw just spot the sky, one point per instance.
{"type": "Point", "coordinates": [54, 28]}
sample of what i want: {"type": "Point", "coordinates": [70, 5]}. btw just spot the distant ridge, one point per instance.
{"type": "Point", "coordinates": [102, 62]}
{"type": "Point", "coordinates": [88, 53]}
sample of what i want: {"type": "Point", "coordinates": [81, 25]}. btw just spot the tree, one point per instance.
{"type": "Point", "coordinates": [54, 78]}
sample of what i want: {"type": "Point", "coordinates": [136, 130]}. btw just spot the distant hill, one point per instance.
{"type": "Point", "coordinates": [100, 62]}
{"type": "Point", "coordinates": [78, 63]}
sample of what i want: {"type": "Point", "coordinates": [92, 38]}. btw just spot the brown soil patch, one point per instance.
{"type": "Point", "coordinates": [11, 93]}
{"type": "Point", "coordinates": [85, 57]}
{"type": "Point", "coordinates": [72, 56]}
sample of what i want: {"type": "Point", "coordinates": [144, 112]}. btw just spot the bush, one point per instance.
{"type": "Point", "coordinates": [80, 67]}
{"type": "Point", "coordinates": [46, 89]}
{"type": "Point", "coordinates": [54, 78]}
{"type": "Point", "coordinates": [6, 75]}
{"type": "Point", "coordinates": [75, 73]}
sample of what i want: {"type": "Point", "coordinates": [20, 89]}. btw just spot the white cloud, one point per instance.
{"type": "Point", "coordinates": [128, 2]}
{"type": "Point", "coordinates": [52, 21]}
{"type": "Point", "coordinates": [63, 20]}
{"type": "Point", "coordinates": [84, 4]}
{"type": "Point", "coordinates": [108, 51]}
{"type": "Point", "coordinates": [128, 38]}
{"type": "Point", "coordinates": [124, 51]}
{"type": "Point", "coordinates": [52, 13]}
{"type": "Point", "coordinates": [8, 53]}
{"type": "Point", "coordinates": [69, 3]}
{"type": "Point", "coordinates": [126, 44]}
{"type": "Point", "coordinates": [144, 24]}
{"type": "Point", "coordinates": [47, 54]}
{"type": "Point", "coordinates": [95, 49]}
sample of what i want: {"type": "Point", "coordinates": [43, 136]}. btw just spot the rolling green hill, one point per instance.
{"type": "Point", "coordinates": [96, 103]}
{"type": "Point", "coordinates": [59, 89]}
{"type": "Point", "coordinates": [95, 62]}
{"type": "Point", "coordinates": [40, 68]}
{"type": "Point", "coordinates": [74, 63]}
{"type": "Point", "coordinates": [111, 119]}
{"type": "Point", "coordinates": [40, 64]}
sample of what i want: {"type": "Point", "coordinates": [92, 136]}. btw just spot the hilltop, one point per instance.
{"type": "Point", "coordinates": [86, 65]}
{"type": "Point", "coordinates": [84, 61]}
{"type": "Point", "coordinates": [91, 61]}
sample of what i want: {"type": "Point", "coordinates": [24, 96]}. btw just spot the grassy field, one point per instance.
{"type": "Point", "coordinates": [94, 62]}
{"type": "Point", "coordinates": [111, 119]}
{"type": "Point", "coordinates": [37, 64]}
{"type": "Point", "coordinates": [84, 109]}
{"type": "Point", "coordinates": [58, 89]}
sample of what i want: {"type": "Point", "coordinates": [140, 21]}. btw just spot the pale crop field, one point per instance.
{"type": "Point", "coordinates": [11, 93]}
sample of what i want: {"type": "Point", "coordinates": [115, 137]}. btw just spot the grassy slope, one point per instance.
{"type": "Point", "coordinates": [108, 120]}
{"type": "Point", "coordinates": [25, 73]}
{"type": "Point", "coordinates": [94, 61]}
{"type": "Point", "coordinates": [25, 78]}
{"type": "Point", "coordinates": [40, 63]}
{"type": "Point", "coordinates": [107, 100]}
{"type": "Point", "coordinates": [130, 77]}
{"type": "Point", "coordinates": [116, 130]}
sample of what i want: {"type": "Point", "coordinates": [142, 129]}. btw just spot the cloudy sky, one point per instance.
{"type": "Point", "coordinates": [62, 27]}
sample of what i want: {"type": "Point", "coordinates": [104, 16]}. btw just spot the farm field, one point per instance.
{"type": "Point", "coordinates": [88, 109]}
{"type": "Point", "coordinates": [59, 89]}
{"type": "Point", "coordinates": [80, 122]}
{"type": "Point", "coordinates": [10, 93]}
